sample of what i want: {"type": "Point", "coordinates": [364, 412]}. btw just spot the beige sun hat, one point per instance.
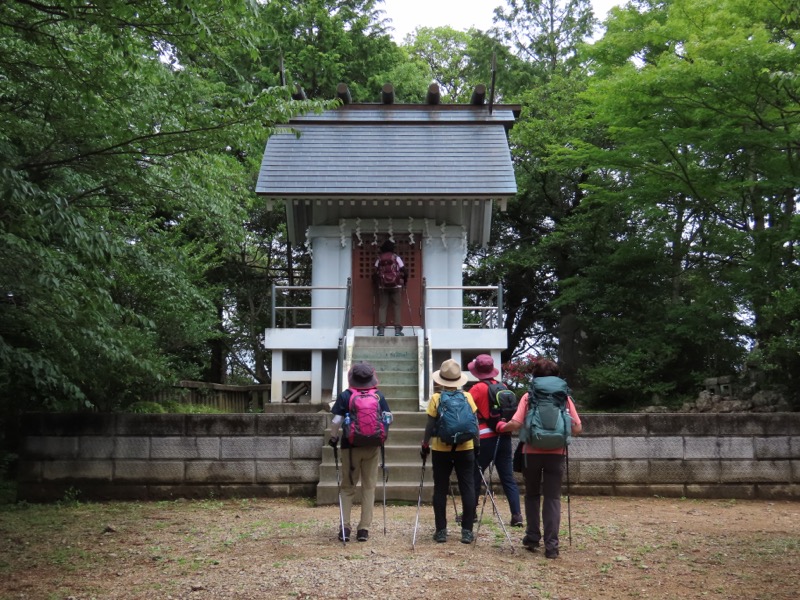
{"type": "Point", "coordinates": [450, 375]}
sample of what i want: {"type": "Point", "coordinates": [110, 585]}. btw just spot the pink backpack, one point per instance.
{"type": "Point", "coordinates": [389, 273]}
{"type": "Point", "coordinates": [366, 427]}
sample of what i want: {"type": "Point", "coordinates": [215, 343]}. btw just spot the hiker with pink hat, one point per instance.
{"type": "Point", "coordinates": [494, 446]}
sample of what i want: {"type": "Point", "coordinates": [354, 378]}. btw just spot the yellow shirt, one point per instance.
{"type": "Point", "coordinates": [436, 443]}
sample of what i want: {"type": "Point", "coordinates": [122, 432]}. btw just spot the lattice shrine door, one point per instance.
{"type": "Point", "coordinates": [365, 299]}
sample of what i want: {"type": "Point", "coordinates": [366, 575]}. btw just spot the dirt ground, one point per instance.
{"type": "Point", "coordinates": [213, 549]}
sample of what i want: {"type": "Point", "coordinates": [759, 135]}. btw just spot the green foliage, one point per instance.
{"type": "Point", "coordinates": [444, 51]}
{"type": "Point", "coordinates": [546, 33]}
{"type": "Point", "coordinates": [325, 42]}
{"type": "Point", "coordinates": [127, 170]}
{"type": "Point", "coordinates": [690, 218]}
{"type": "Point", "coordinates": [171, 407]}
{"type": "Point", "coordinates": [528, 265]}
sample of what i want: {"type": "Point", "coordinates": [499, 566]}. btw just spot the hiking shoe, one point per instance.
{"type": "Point", "coordinates": [530, 543]}
{"type": "Point", "coordinates": [399, 334]}
{"type": "Point", "coordinates": [467, 537]}
{"type": "Point", "coordinates": [380, 332]}
{"type": "Point", "coordinates": [516, 520]}
{"type": "Point", "coordinates": [551, 553]}
{"type": "Point", "coordinates": [346, 535]}
{"type": "Point", "coordinates": [362, 535]}
{"type": "Point", "coordinates": [440, 536]}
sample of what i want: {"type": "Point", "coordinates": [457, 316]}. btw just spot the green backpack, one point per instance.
{"type": "Point", "coordinates": [548, 425]}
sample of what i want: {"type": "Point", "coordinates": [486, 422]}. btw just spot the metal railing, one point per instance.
{"type": "Point", "coordinates": [293, 311]}
{"type": "Point", "coordinates": [485, 316]}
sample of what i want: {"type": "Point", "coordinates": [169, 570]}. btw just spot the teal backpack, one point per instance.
{"type": "Point", "coordinates": [455, 421]}
{"type": "Point", "coordinates": [548, 425]}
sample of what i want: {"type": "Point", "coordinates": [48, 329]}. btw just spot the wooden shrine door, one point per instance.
{"type": "Point", "coordinates": [365, 299]}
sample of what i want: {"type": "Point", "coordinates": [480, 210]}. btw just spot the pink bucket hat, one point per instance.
{"type": "Point", "coordinates": [483, 367]}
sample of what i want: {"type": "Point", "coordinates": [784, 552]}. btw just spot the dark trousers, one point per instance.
{"type": "Point", "coordinates": [503, 465]}
{"type": "Point", "coordinates": [443, 464]}
{"type": "Point", "coordinates": [390, 296]}
{"type": "Point", "coordinates": [543, 474]}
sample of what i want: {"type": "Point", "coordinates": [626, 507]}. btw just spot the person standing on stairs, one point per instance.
{"type": "Point", "coordinates": [360, 460]}
{"type": "Point", "coordinates": [494, 446]}
{"type": "Point", "coordinates": [391, 278]}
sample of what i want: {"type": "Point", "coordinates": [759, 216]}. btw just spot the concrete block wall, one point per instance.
{"type": "Point", "coordinates": [147, 457]}
{"type": "Point", "coordinates": [106, 456]}
{"type": "Point", "coordinates": [731, 455]}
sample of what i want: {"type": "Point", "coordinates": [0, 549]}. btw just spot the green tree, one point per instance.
{"type": "Point", "coordinates": [548, 193]}
{"type": "Point", "coordinates": [124, 170]}
{"type": "Point", "coordinates": [322, 43]}
{"type": "Point", "coordinates": [699, 195]}
{"type": "Point", "coordinates": [444, 52]}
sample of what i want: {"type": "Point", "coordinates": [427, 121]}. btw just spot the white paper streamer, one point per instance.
{"type": "Point", "coordinates": [375, 232]}
{"type": "Point", "coordinates": [464, 237]}
{"type": "Point", "coordinates": [342, 239]}
{"type": "Point", "coordinates": [411, 230]}
{"type": "Point", "coordinates": [308, 243]}
{"type": "Point", "coordinates": [444, 239]}
{"type": "Point", "coordinates": [391, 231]}
{"type": "Point", "coordinates": [358, 231]}
{"type": "Point", "coordinates": [426, 233]}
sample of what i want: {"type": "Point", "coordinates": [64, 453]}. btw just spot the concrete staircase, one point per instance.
{"type": "Point", "coordinates": [397, 365]}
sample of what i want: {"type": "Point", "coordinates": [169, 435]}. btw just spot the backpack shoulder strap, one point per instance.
{"type": "Point", "coordinates": [490, 392]}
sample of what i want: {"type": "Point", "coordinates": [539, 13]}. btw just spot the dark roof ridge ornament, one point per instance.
{"type": "Point", "coordinates": [434, 96]}
{"type": "Point", "coordinates": [478, 95]}
{"type": "Point", "coordinates": [387, 93]}
{"type": "Point", "coordinates": [299, 93]}
{"type": "Point", "coordinates": [343, 93]}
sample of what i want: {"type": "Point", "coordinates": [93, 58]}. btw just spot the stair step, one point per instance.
{"type": "Point", "coordinates": [397, 492]}
{"type": "Point", "coordinates": [399, 391]}
{"type": "Point", "coordinates": [386, 365]}
{"type": "Point", "coordinates": [375, 341]}
{"type": "Point", "coordinates": [397, 473]}
{"type": "Point", "coordinates": [397, 366]}
{"type": "Point", "coordinates": [397, 378]}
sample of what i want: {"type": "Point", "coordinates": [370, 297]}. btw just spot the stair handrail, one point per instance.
{"type": "Point", "coordinates": [343, 336]}
{"type": "Point", "coordinates": [426, 348]}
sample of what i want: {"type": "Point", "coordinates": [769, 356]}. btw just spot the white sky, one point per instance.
{"type": "Point", "coordinates": [407, 15]}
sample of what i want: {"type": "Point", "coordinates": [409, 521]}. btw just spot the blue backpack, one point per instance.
{"type": "Point", "coordinates": [455, 421]}
{"type": "Point", "coordinates": [548, 425]}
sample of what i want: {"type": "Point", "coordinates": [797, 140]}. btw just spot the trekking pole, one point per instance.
{"type": "Point", "coordinates": [339, 490]}
{"type": "Point", "coordinates": [410, 314]}
{"type": "Point", "coordinates": [491, 468]}
{"type": "Point", "coordinates": [385, 479]}
{"type": "Point", "coordinates": [569, 509]}
{"type": "Point", "coordinates": [497, 513]}
{"type": "Point", "coordinates": [455, 507]}
{"type": "Point", "coordinates": [376, 290]}
{"type": "Point", "coordinates": [419, 503]}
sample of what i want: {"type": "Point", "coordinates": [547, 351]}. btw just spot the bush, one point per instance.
{"type": "Point", "coordinates": [170, 406]}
